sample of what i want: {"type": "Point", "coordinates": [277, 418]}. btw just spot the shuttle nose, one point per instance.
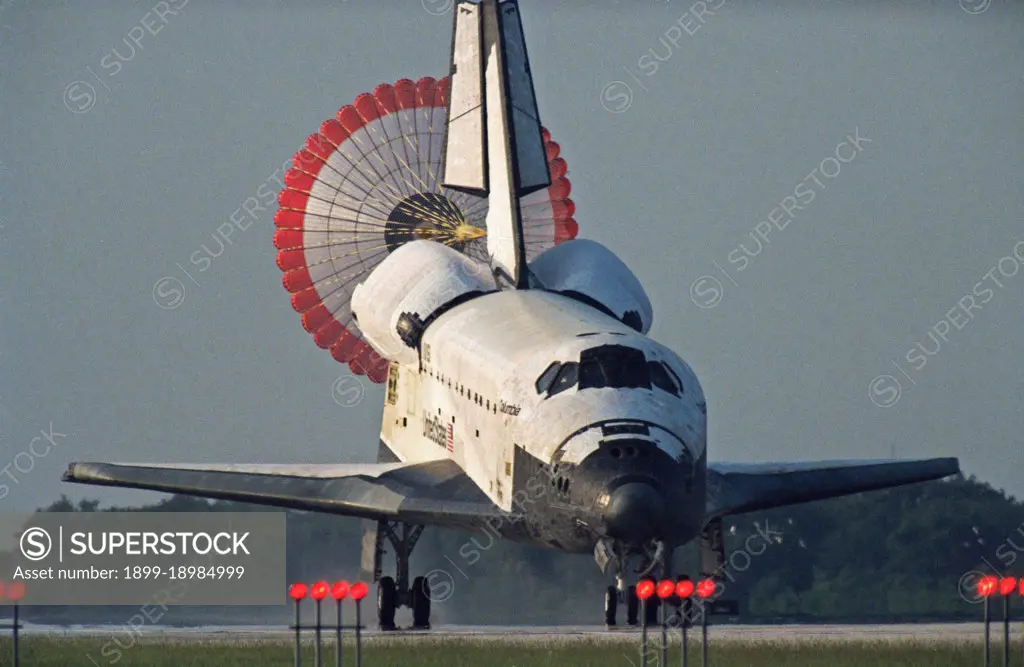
{"type": "Point", "coordinates": [635, 512]}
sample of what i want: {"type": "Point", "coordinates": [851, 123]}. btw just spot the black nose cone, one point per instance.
{"type": "Point", "coordinates": [635, 512]}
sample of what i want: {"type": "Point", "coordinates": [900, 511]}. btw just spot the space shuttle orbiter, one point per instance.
{"type": "Point", "coordinates": [525, 402]}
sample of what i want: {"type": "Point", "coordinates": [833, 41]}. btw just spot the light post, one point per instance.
{"type": "Point", "coordinates": [358, 592]}
{"type": "Point", "coordinates": [338, 591]}
{"type": "Point", "coordinates": [666, 588]}
{"type": "Point", "coordinates": [318, 592]}
{"type": "Point", "coordinates": [685, 590]}
{"type": "Point", "coordinates": [297, 592]}
{"type": "Point", "coordinates": [705, 589]}
{"type": "Point", "coordinates": [644, 590]}
{"type": "Point", "coordinates": [1007, 587]}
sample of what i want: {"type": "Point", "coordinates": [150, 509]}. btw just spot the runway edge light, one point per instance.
{"type": "Point", "coordinates": [15, 591]}
{"type": "Point", "coordinates": [644, 589]}
{"type": "Point", "coordinates": [339, 590]}
{"type": "Point", "coordinates": [358, 591]}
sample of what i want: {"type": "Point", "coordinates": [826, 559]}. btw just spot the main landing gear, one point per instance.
{"type": "Point", "coordinates": [392, 593]}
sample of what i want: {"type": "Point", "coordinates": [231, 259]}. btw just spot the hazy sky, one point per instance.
{"type": "Point", "coordinates": [678, 158]}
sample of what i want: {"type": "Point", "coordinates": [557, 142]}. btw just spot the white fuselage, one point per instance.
{"type": "Point", "coordinates": [473, 395]}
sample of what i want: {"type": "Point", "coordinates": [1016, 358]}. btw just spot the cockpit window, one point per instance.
{"type": "Point", "coordinates": [547, 377]}
{"type": "Point", "coordinates": [613, 366]}
{"type": "Point", "coordinates": [675, 378]}
{"type": "Point", "coordinates": [566, 378]}
{"type": "Point", "coordinates": [661, 378]}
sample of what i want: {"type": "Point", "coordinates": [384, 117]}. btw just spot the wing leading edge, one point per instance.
{"type": "Point", "coordinates": [440, 493]}
{"type": "Point", "coordinates": [435, 493]}
{"type": "Point", "coordinates": [734, 488]}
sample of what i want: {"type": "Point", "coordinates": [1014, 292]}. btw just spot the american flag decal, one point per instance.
{"type": "Point", "coordinates": [450, 439]}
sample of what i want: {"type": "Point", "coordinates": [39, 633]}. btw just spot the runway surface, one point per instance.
{"type": "Point", "coordinates": [930, 632]}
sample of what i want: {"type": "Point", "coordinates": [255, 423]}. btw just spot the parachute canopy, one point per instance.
{"type": "Point", "coordinates": [369, 182]}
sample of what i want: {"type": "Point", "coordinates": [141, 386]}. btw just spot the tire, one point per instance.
{"type": "Point", "coordinates": [386, 603]}
{"type": "Point", "coordinates": [611, 605]}
{"type": "Point", "coordinates": [420, 603]}
{"type": "Point", "coordinates": [632, 606]}
{"type": "Point", "coordinates": [653, 607]}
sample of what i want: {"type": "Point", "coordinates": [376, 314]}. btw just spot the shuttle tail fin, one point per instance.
{"type": "Point", "coordinates": [493, 144]}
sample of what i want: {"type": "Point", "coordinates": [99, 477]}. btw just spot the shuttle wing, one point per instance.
{"type": "Point", "coordinates": [435, 493]}
{"type": "Point", "coordinates": [735, 488]}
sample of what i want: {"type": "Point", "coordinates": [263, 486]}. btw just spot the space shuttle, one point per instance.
{"type": "Point", "coordinates": [524, 400]}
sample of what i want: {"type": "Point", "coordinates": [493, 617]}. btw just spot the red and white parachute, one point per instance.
{"type": "Point", "coordinates": [369, 182]}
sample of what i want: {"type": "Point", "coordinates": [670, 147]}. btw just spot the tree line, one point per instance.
{"type": "Point", "coordinates": [905, 554]}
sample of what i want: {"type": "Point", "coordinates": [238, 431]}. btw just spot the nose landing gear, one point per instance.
{"type": "Point", "coordinates": [611, 605]}
{"type": "Point", "coordinates": [613, 596]}
{"type": "Point", "coordinates": [614, 556]}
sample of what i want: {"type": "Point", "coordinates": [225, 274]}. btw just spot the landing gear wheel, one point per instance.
{"type": "Point", "coordinates": [653, 605]}
{"type": "Point", "coordinates": [632, 606]}
{"type": "Point", "coordinates": [611, 605]}
{"type": "Point", "coordinates": [386, 603]}
{"type": "Point", "coordinates": [420, 603]}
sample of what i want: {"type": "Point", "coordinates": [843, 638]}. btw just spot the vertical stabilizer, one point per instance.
{"type": "Point", "coordinates": [465, 148]}
{"type": "Point", "coordinates": [530, 164]}
{"type": "Point", "coordinates": [493, 142]}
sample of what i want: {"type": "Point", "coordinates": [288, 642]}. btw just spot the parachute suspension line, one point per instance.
{"type": "Point", "coordinates": [452, 223]}
{"type": "Point", "coordinates": [358, 143]}
{"type": "Point", "coordinates": [368, 183]}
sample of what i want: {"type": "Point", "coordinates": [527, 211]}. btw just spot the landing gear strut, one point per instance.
{"type": "Point", "coordinates": [613, 556]}
{"type": "Point", "coordinates": [611, 604]}
{"type": "Point", "coordinates": [632, 607]}
{"type": "Point", "coordinates": [393, 593]}
{"type": "Point", "coordinates": [612, 597]}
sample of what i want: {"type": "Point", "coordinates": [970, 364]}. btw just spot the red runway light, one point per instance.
{"type": "Point", "coordinates": [1007, 586]}
{"type": "Point", "coordinates": [15, 591]}
{"type": "Point", "coordinates": [319, 590]}
{"type": "Point", "coordinates": [358, 591]}
{"type": "Point", "coordinates": [987, 586]}
{"type": "Point", "coordinates": [644, 589]}
{"type": "Point", "coordinates": [684, 589]}
{"type": "Point", "coordinates": [297, 591]}
{"type": "Point", "coordinates": [1022, 587]}
{"type": "Point", "coordinates": [339, 590]}
{"type": "Point", "coordinates": [666, 587]}
{"type": "Point", "coordinates": [706, 588]}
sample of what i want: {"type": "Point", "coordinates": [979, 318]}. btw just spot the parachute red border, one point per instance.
{"type": "Point", "coordinates": [345, 344]}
